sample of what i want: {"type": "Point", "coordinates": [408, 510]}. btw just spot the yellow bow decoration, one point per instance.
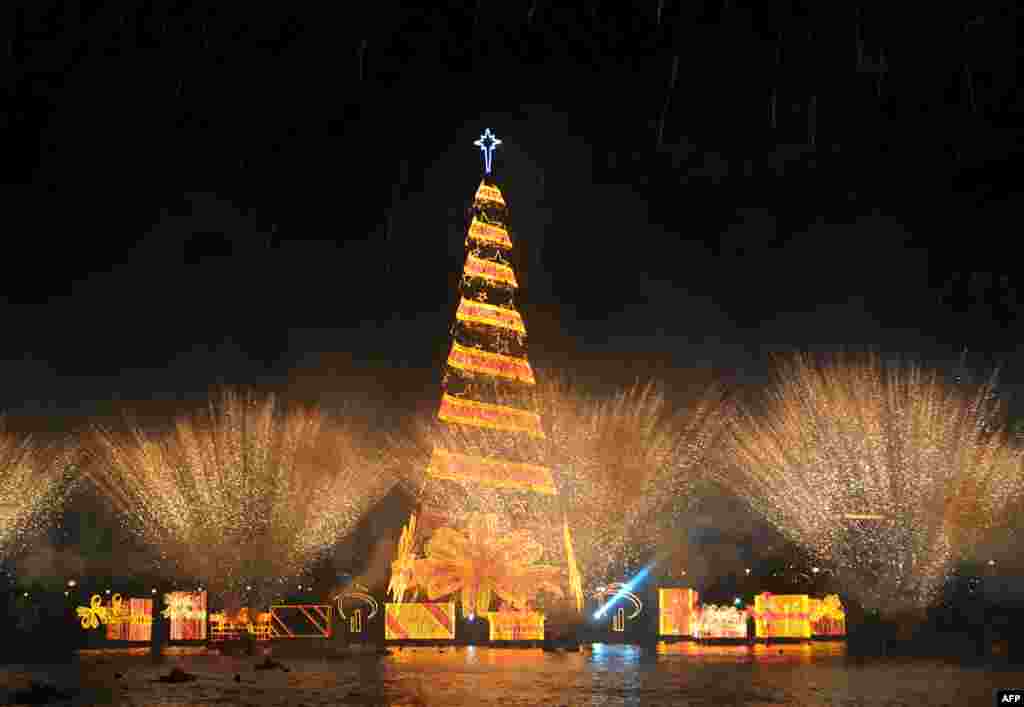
{"type": "Point", "coordinates": [94, 614]}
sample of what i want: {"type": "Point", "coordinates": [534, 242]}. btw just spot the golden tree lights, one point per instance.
{"type": "Point", "coordinates": [486, 192]}
{"type": "Point", "coordinates": [473, 360]}
{"type": "Point", "coordinates": [489, 233]}
{"type": "Point", "coordinates": [489, 472]}
{"type": "Point", "coordinates": [862, 462]}
{"type": "Point", "coordinates": [482, 313]}
{"type": "Point", "coordinates": [488, 270]}
{"type": "Point", "coordinates": [486, 465]}
{"type": "Point", "coordinates": [495, 417]}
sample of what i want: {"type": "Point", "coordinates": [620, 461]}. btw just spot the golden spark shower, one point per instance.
{"type": "Point", "coordinates": [248, 492]}
{"type": "Point", "coordinates": [863, 463]}
{"type": "Point", "coordinates": [34, 481]}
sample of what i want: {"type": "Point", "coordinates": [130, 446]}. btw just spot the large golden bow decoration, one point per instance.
{"type": "Point", "coordinates": [482, 562]}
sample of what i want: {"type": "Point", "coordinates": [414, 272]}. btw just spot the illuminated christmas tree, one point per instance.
{"type": "Point", "coordinates": [489, 527]}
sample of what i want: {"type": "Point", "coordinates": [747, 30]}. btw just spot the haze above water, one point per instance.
{"type": "Point", "coordinates": [680, 674]}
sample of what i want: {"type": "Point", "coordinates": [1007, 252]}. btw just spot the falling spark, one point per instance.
{"type": "Point", "coordinates": [864, 463]}
{"type": "Point", "coordinates": [668, 99]}
{"type": "Point", "coordinates": [244, 494]}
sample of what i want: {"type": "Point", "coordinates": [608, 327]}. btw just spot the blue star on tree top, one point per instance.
{"type": "Point", "coordinates": [487, 143]}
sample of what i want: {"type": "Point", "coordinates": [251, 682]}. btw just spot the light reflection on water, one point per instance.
{"type": "Point", "coordinates": [801, 675]}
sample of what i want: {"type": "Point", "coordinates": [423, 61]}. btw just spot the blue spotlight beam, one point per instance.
{"type": "Point", "coordinates": [624, 590]}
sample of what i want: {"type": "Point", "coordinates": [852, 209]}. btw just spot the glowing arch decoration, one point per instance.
{"type": "Point", "coordinates": [615, 588]}
{"type": "Point", "coordinates": [360, 594]}
{"type": "Point", "coordinates": [487, 142]}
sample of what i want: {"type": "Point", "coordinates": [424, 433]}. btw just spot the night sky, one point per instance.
{"type": "Point", "coordinates": [205, 193]}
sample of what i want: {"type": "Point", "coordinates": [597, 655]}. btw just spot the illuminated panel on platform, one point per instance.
{"type": "Point", "coordinates": [489, 472]}
{"type": "Point", "coordinates": [126, 620]}
{"type": "Point", "coordinates": [475, 360]}
{"type": "Point", "coordinates": [495, 417]}
{"type": "Point", "coordinates": [720, 622]}
{"type": "Point", "coordinates": [677, 609]}
{"type": "Point", "coordinates": [489, 233]}
{"type": "Point", "coordinates": [516, 625]}
{"type": "Point", "coordinates": [130, 620]}
{"type": "Point", "coordinates": [187, 612]}
{"type": "Point", "coordinates": [489, 270]}
{"type": "Point", "coordinates": [827, 616]}
{"type": "Point", "coordinates": [301, 620]}
{"type": "Point", "coordinates": [782, 615]}
{"type": "Point", "coordinates": [489, 314]}
{"type": "Point", "coordinates": [419, 621]}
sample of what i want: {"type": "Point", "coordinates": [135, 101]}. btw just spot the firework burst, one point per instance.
{"type": "Point", "coordinates": [34, 482]}
{"type": "Point", "coordinates": [861, 462]}
{"type": "Point", "coordinates": [247, 493]}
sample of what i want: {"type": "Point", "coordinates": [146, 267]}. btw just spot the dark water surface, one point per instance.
{"type": "Point", "coordinates": [678, 674]}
